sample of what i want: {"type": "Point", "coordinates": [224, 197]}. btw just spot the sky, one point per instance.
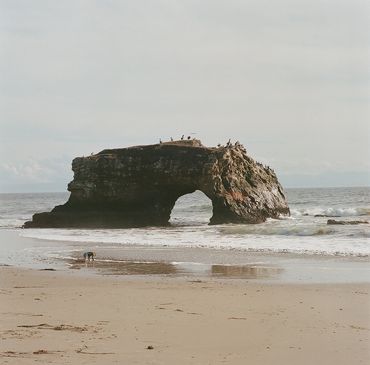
{"type": "Point", "coordinates": [289, 79]}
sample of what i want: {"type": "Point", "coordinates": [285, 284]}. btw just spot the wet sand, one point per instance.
{"type": "Point", "coordinates": [65, 318]}
{"type": "Point", "coordinates": [181, 261]}
{"type": "Point", "coordinates": [223, 264]}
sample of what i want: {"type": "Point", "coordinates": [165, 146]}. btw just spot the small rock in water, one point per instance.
{"type": "Point", "coordinates": [150, 347]}
{"type": "Point", "coordinates": [333, 221]}
{"type": "Point", "coordinates": [324, 215]}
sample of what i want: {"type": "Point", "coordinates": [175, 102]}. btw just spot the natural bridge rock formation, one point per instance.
{"type": "Point", "coordinates": [138, 186]}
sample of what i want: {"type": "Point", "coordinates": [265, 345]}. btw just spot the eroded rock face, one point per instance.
{"type": "Point", "coordinates": [138, 186]}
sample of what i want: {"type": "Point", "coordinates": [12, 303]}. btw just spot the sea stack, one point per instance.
{"type": "Point", "coordinates": [138, 186]}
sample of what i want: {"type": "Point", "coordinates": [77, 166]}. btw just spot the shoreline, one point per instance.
{"type": "Point", "coordinates": [60, 317]}
{"type": "Point", "coordinates": [169, 261]}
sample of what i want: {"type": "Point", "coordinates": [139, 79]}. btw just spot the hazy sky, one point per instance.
{"type": "Point", "coordinates": [290, 79]}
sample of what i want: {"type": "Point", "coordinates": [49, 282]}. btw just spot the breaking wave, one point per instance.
{"type": "Point", "coordinates": [331, 212]}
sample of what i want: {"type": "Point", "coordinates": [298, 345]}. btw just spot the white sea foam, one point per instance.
{"type": "Point", "coordinates": [331, 212]}
{"type": "Point", "coordinates": [309, 240]}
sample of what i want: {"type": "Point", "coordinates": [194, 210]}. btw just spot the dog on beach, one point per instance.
{"type": "Point", "coordinates": [89, 256]}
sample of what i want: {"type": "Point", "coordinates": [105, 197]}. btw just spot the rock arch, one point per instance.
{"type": "Point", "coordinates": [138, 186]}
{"type": "Point", "coordinates": [183, 210]}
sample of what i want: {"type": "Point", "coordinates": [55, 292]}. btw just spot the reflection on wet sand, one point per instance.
{"type": "Point", "coordinates": [122, 267]}
{"type": "Point", "coordinates": [246, 271]}
{"type": "Point", "coordinates": [127, 267]}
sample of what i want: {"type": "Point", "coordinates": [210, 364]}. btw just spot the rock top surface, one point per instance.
{"type": "Point", "coordinates": [138, 186]}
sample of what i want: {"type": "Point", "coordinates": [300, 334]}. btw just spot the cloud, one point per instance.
{"type": "Point", "coordinates": [288, 79]}
{"type": "Point", "coordinates": [31, 172]}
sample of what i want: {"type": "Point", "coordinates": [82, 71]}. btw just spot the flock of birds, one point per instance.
{"type": "Point", "coordinates": [182, 138]}
{"type": "Point", "coordinates": [227, 145]}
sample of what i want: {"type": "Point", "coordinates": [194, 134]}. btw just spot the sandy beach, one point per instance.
{"type": "Point", "coordinates": [56, 317]}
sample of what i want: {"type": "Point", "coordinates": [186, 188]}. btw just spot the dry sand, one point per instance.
{"type": "Point", "coordinates": [58, 318]}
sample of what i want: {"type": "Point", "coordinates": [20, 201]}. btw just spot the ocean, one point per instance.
{"type": "Point", "coordinates": [304, 233]}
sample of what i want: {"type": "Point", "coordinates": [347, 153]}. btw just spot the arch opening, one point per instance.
{"type": "Point", "coordinates": [192, 209]}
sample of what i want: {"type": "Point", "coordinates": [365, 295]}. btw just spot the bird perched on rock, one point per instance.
{"type": "Point", "coordinates": [182, 137]}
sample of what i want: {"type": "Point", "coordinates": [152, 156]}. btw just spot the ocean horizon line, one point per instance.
{"type": "Point", "coordinates": [285, 187]}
